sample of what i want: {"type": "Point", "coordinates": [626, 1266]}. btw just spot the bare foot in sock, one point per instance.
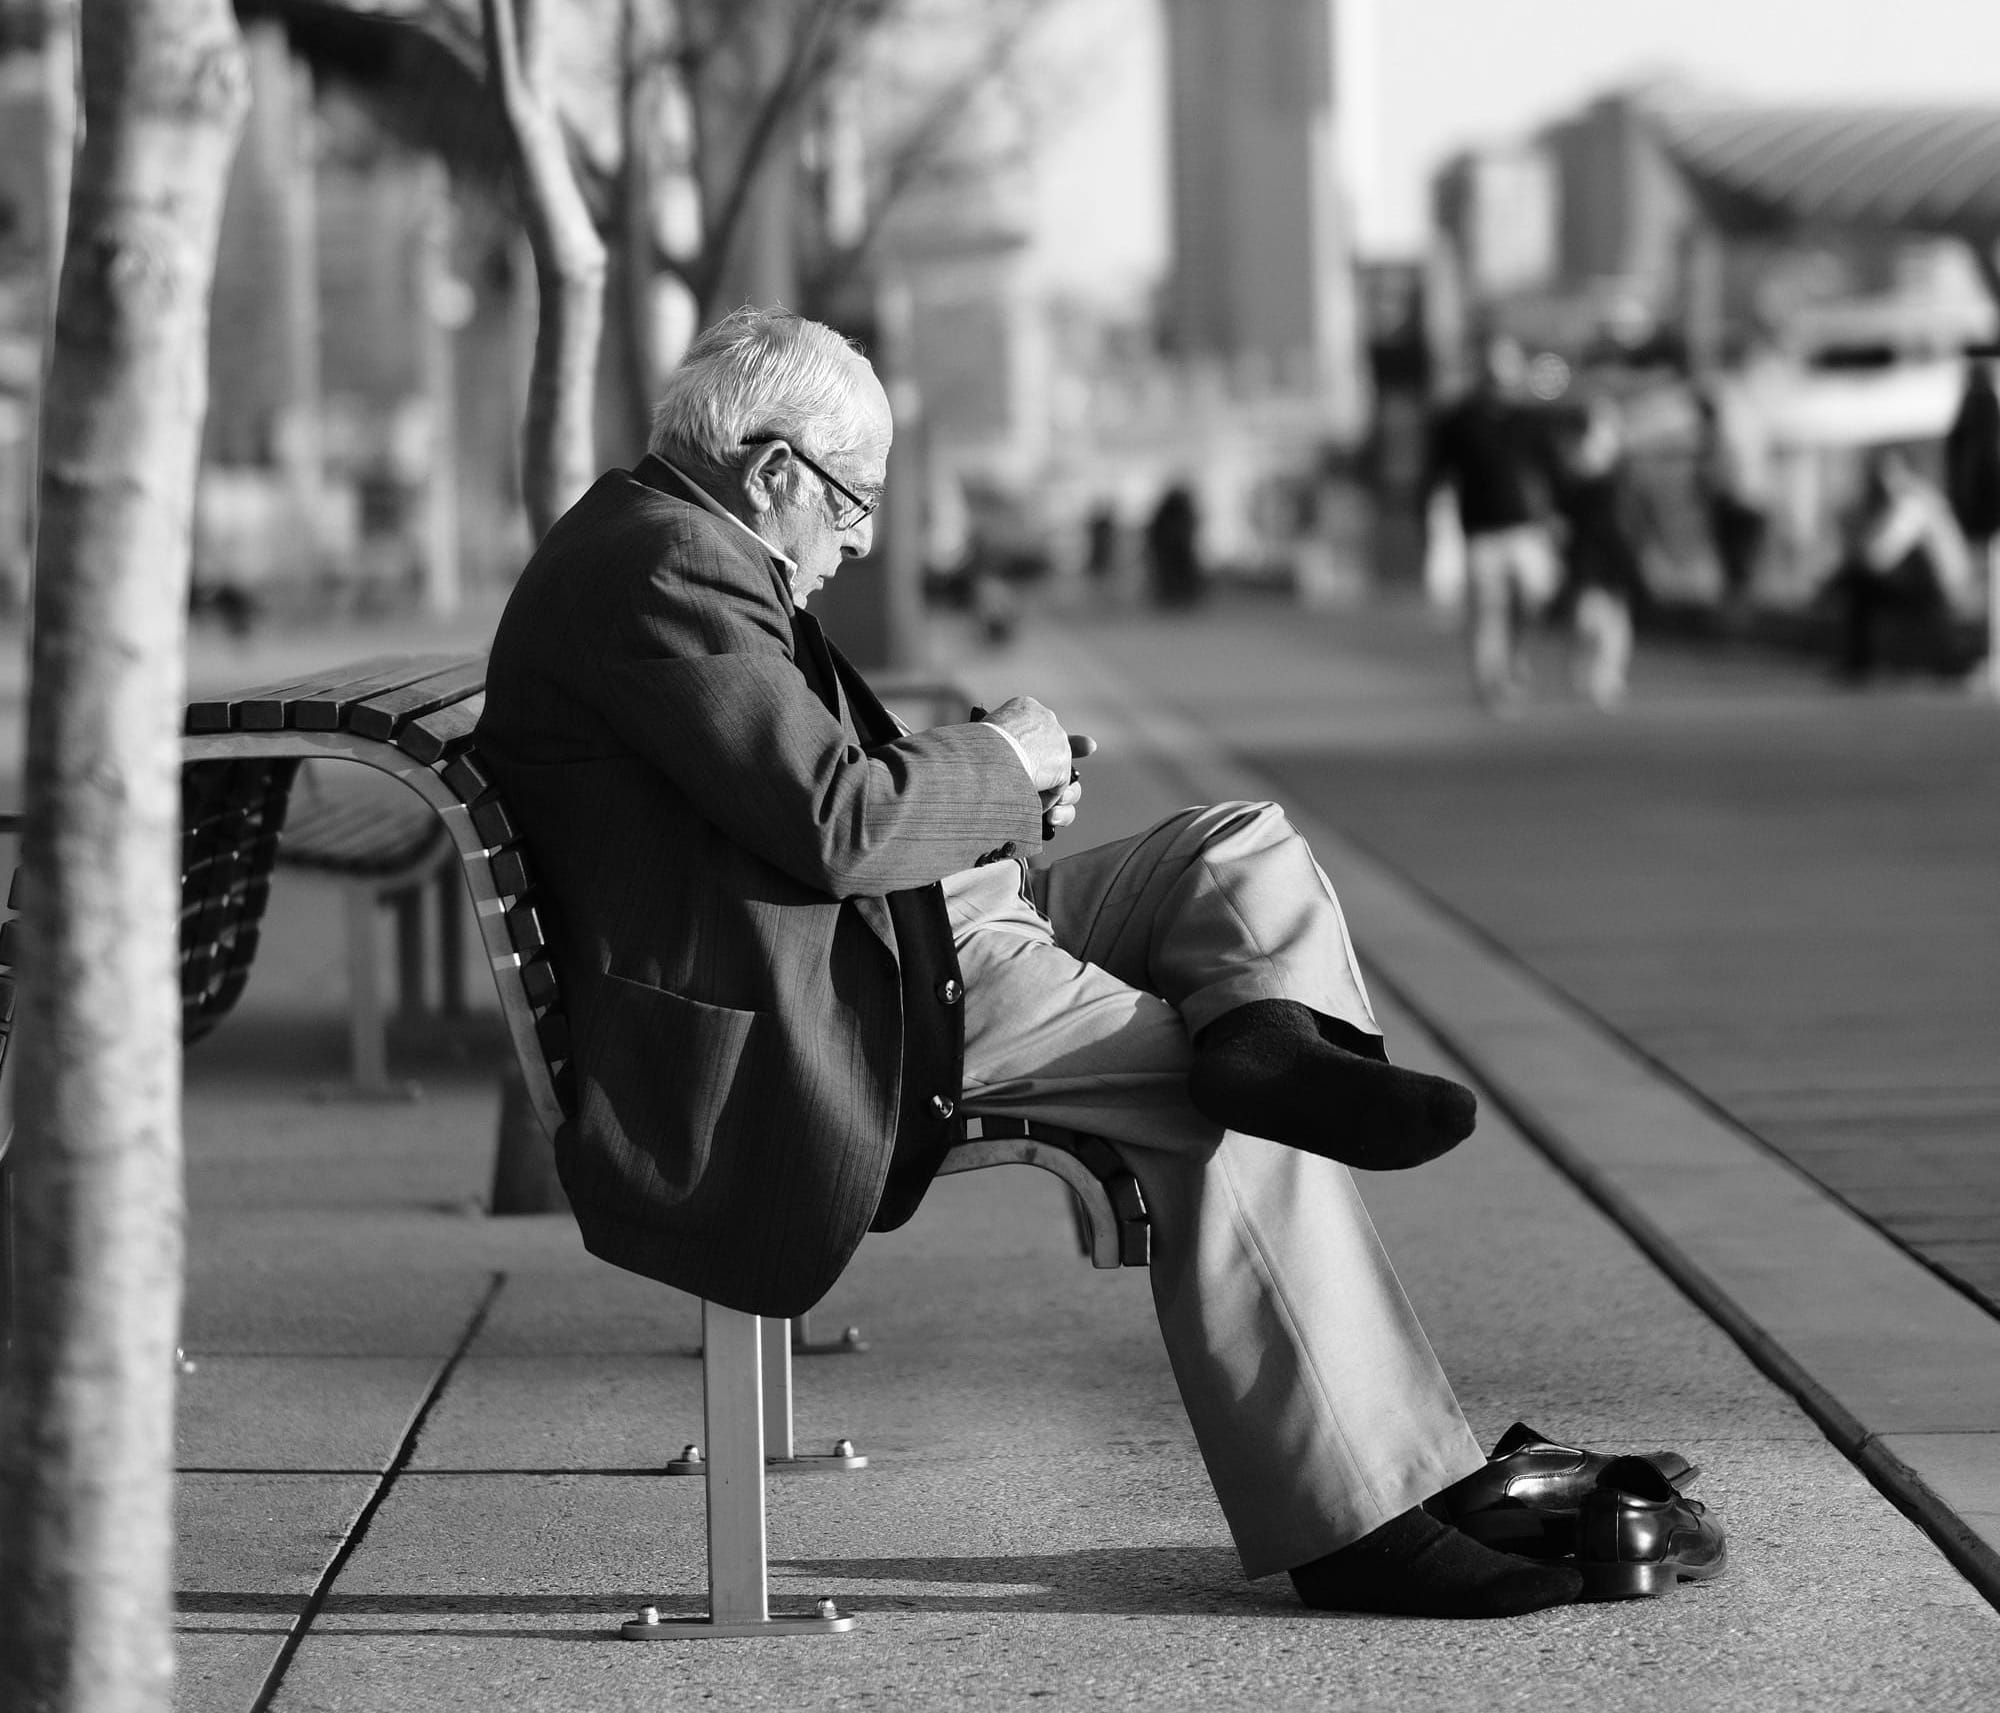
{"type": "Point", "coordinates": [1277, 1069]}
{"type": "Point", "coordinates": [1414, 1566]}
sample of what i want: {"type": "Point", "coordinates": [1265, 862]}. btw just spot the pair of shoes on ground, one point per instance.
{"type": "Point", "coordinates": [1626, 1523]}
{"type": "Point", "coordinates": [1539, 1525]}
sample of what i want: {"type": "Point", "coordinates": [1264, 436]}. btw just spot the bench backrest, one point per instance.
{"type": "Point", "coordinates": [412, 719]}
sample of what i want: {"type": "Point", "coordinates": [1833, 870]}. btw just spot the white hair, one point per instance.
{"type": "Point", "coordinates": [759, 372]}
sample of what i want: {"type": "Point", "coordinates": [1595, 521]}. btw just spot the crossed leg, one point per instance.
{"type": "Point", "coordinates": [1318, 1405]}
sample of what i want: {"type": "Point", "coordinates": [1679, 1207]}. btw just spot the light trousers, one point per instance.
{"type": "Point", "coordinates": [1510, 572]}
{"type": "Point", "coordinates": [1604, 646]}
{"type": "Point", "coordinates": [1317, 1403]}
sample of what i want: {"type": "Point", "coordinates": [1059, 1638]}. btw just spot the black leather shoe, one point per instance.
{"type": "Point", "coordinates": [1526, 1499]}
{"type": "Point", "coordinates": [1637, 1535]}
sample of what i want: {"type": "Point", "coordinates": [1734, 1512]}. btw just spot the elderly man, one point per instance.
{"type": "Point", "coordinates": [797, 942]}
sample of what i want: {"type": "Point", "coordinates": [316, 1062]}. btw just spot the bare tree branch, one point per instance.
{"type": "Point", "coordinates": [558, 459]}
{"type": "Point", "coordinates": [817, 45]}
{"type": "Point", "coordinates": [919, 152]}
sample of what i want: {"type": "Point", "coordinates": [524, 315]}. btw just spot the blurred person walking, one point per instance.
{"type": "Point", "coordinates": [1972, 485]}
{"type": "Point", "coordinates": [1732, 475]}
{"type": "Point", "coordinates": [1173, 553]}
{"type": "Point", "coordinates": [1103, 549]}
{"type": "Point", "coordinates": [1601, 558]}
{"type": "Point", "coordinates": [1483, 449]}
{"type": "Point", "coordinates": [1905, 558]}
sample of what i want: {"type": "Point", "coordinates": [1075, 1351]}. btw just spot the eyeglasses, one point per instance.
{"type": "Point", "coordinates": [859, 507]}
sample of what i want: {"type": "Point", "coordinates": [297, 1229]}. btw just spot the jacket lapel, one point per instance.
{"type": "Point", "coordinates": [821, 665]}
{"type": "Point", "coordinates": [872, 721]}
{"type": "Point", "coordinates": [818, 664]}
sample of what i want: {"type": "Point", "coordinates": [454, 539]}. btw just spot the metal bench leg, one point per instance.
{"type": "Point", "coordinates": [407, 904]}
{"type": "Point", "coordinates": [780, 1455]}
{"type": "Point", "coordinates": [732, 1375]}
{"type": "Point", "coordinates": [448, 894]}
{"type": "Point", "coordinates": [367, 1036]}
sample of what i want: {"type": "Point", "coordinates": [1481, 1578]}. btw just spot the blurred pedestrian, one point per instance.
{"type": "Point", "coordinates": [1732, 475]}
{"type": "Point", "coordinates": [1904, 558]}
{"type": "Point", "coordinates": [1483, 448]}
{"type": "Point", "coordinates": [1101, 547]}
{"type": "Point", "coordinates": [1972, 485]}
{"type": "Point", "coordinates": [1972, 458]}
{"type": "Point", "coordinates": [1173, 551]}
{"type": "Point", "coordinates": [1601, 558]}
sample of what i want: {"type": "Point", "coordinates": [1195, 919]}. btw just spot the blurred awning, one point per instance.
{"type": "Point", "coordinates": [1777, 169]}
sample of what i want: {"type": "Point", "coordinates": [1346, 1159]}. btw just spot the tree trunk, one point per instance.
{"type": "Point", "coordinates": [558, 453]}
{"type": "Point", "coordinates": [86, 1439]}
{"type": "Point", "coordinates": [640, 99]}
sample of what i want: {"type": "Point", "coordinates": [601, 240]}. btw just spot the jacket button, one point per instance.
{"type": "Point", "coordinates": [950, 991]}
{"type": "Point", "coordinates": [943, 1105]}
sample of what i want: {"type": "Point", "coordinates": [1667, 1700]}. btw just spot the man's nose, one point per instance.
{"type": "Point", "coordinates": [855, 544]}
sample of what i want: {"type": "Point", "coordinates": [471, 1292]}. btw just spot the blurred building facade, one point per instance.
{"type": "Point", "coordinates": [1261, 281]}
{"type": "Point", "coordinates": [1619, 226]}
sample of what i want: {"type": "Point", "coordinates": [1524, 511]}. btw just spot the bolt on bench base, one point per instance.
{"type": "Point", "coordinates": [772, 1355]}
{"type": "Point", "coordinates": [694, 1629]}
{"type": "Point", "coordinates": [807, 1463]}
{"type": "Point", "coordinates": [849, 1343]}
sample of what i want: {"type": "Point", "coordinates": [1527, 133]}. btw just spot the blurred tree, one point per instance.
{"type": "Point", "coordinates": [559, 453]}
{"type": "Point", "coordinates": [86, 1416]}
{"type": "Point", "coordinates": [654, 147]}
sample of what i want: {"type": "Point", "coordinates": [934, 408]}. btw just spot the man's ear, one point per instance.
{"type": "Point", "coordinates": [763, 478]}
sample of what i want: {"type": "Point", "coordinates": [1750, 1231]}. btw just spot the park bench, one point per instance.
{"type": "Point", "coordinates": [413, 721]}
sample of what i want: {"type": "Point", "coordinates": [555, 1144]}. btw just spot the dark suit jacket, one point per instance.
{"type": "Point", "coordinates": [729, 863]}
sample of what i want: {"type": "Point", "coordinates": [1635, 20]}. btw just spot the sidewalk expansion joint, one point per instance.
{"type": "Point", "coordinates": [1661, 1069]}
{"type": "Point", "coordinates": [350, 1543]}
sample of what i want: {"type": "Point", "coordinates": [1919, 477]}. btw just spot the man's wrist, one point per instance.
{"type": "Point", "coordinates": [1014, 744]}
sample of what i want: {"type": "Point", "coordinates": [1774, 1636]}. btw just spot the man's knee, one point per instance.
{"type": "Point", "coordinates": [1224, 820]}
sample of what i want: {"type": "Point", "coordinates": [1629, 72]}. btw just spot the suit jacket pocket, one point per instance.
{"type": "Point", "coordinates": [659, 1072]}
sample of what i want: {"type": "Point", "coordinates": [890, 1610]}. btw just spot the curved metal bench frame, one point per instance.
{"type": "Point", "coordinates": [413, 720]}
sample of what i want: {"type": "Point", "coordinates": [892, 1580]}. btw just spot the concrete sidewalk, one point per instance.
{"type": "Point", "coordinates": [1890, 1343]}
{"type": "Point", "coordinates": [420, 1447]}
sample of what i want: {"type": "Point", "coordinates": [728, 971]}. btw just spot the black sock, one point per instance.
{"type": "Point", "coordinates": [1414, 1566]}
{"type": "Point", "coordinates": [1278, 1069]}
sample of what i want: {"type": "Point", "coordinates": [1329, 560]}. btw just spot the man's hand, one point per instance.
{"type": "Point", "coordinates": [1049, 748]}
{"type": "Point", "coordinates": [1059, 808]}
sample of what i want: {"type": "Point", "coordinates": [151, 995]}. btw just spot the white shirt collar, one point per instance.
{"type": "Point", "coordinates": [708, 502]}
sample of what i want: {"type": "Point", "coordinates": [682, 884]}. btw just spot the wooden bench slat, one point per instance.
{"type": "Point", "coordinates": [328, 710]}
{"type": "Point", "coordinates": [524, 928]}
{"type": "Point", "coordinates": [510, 874]}
{"type": "Point", "coordinates": [224, 713]}
{"type": "Point", "coordinates": [552, 1031]}
{"type": "Point", "coordinates": [431, 737]}
{"type": "Point", "coordinates": [382, 715]}
{"type": "Point", "coordinates": [538, 981]}
{"type": "Point", "coordinates": [467, 777]}
{"type": "Point", "coordinates": [492, 823]}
